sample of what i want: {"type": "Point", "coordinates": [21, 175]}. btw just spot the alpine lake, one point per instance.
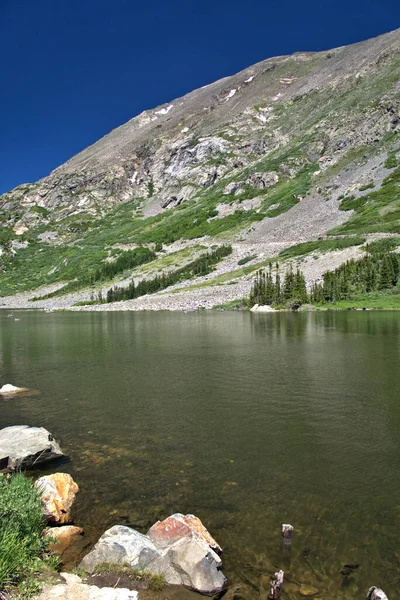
{"type": "Point", "coordinates": [246, 420]}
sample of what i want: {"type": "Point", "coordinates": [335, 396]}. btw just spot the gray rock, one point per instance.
{"type": "Point", "coordinates": [189, 561]}
{"type": "Point", "coordinates": [197, 565]}
{"type": "Point", "coordinates": [23, 447]}
{"type": "Point", "coordinates": [118, 545]}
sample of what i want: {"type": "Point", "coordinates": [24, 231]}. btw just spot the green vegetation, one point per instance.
{"type": "Point", "coordinates": [127, 260]}
{"type": "Point", "coordinates": [321, 246]}
{"type": "Point", "coordinates": [367, 186]}
{"type": "Point", "coordinates": [268, 289]}
{"type": "Point", "coordinates": [391, 161]}
{"type": "Point", "coordinates": [377, 271]}
{"type": "Point", "coordinates": [380, 300]}
{"type": "Point", "coordinates": [238, 304]}
{"type": "Point", "coordinates": [378, 210]}
{"type": "Point", "coordinates": [155, 582]}
{"type": "Point", "coordinates": [201, 266]}
{"type": "Point", "coordinates": [383, 245]}
{"type": "Point", "coordinates": [40, 210]}
{"type": "Point", "coordinates": [23, 550]}
{"type": "Point", "coordinates": [246, 259]}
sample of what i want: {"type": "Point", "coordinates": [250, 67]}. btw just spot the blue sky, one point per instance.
{"type": "Point", "coordinates": [72, 70]}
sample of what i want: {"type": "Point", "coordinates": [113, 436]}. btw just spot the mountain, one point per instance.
{"type": "Point", "coordinates": [294, 149]}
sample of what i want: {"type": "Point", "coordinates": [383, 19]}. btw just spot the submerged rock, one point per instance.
{"type": "Point", "coordinates": [308, 590]}
{"type": "Point", "coordinates": [22, 447]}
{"type": "Point", "coordinates": [180, 548]}
{"type": "Point", "coordinates": [58, 493]}
{"type": "Point", "coordinates": [67, 541]}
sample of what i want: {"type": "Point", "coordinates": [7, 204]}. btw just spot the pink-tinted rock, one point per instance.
{"type": "Point", "coordinates": [58, 495]}
{"type": "Point", "coordinates": [178, 526]}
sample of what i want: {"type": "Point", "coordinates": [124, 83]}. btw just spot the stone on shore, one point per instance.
{"type": "Point", "coordinates": [265, 308]}
{"type": "Point", "coordinates": [179, 548]}
{"type": "Point", "coordinates": [67, 541]}
{"type": "Point", "coordinates": [58, 493]}
{"type": "Point", "coordinates": [74, 589]}
{"type": "Point", "coordinates": [23, 447]}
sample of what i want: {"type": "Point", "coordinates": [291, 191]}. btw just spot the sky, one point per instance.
{"type": "Point", "coordinates": [73, 70]}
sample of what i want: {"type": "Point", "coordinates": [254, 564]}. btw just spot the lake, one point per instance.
{"type": "Point", "coordinates": [246, 420]}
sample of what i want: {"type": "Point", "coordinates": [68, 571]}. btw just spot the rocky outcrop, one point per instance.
{"type": "Point", "coordinates": [180, 548]}
{"type": "Point", "coordinates": [24, 447]}
{"type": "Point", "coordinates": [58, 493]}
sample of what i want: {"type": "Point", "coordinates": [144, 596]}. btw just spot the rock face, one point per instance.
{"type": "Point", "coordinates": [23, 447]}
{"type": "Point", "coordinates": [58, 493]}
{"type": "Point", "coordinates": [68, 541]}
{"type": "Point", "coordinates": [180, 548]}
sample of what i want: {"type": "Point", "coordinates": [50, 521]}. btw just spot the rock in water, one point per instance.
{"type": "Point", "coordinates": [375, 593]}
{"type": "Point", "coordinates": [308, 590]}
{"type": "Point", "coordinates": [118, 545]}
{"type": "Point", "coordinates": [22, 447]}
{"type": "Point", "coordinates": [179, 548]}
{"type": "Point", "coordinates": [11, 389]}
{"type": "Point", "coordinates": [68, 541]}
{"type": "Point", "coordinates": [58, 493]}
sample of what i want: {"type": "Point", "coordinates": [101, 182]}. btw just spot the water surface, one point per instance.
{"type": "Point", "coordinates": [247, 421]}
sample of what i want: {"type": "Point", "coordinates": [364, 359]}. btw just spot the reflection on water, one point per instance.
{"type": "Point", "coordinates": [248, 421]}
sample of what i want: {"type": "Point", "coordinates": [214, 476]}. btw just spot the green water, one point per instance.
{"type": "Point", "coordinates": [247, 421]}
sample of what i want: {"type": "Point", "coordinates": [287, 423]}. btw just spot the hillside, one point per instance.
{"type": "Point", "coordinates": [294, 149]}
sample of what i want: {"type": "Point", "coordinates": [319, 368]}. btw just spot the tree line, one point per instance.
{"type": "Point", "coordinates": [201, 266]}
{"type": "Point", "coordinates": [269, 289]}
{"type": "Point", "coordinates": [127, 260]}
{"type": "Point", "coordinates": [374, 271]}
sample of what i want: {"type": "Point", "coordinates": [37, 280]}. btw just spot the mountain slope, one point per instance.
{"type": "Point", "coordinates": [288, 150]}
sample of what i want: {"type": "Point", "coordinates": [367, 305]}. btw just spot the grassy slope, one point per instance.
{"type": "Point", "coordinates": [85, 242]}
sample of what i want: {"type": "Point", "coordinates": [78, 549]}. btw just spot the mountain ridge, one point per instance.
{"type": "Point", "coordinates": [229, 161]}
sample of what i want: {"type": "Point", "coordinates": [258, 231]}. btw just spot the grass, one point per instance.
{"type": "Point", "coordinates": [321, 246]}
{"type": "Point", "coordinates": [377, 211]}
{"type": "Point", "coordinates": [239, 304]}
{"type": "Point", "coordinates": [155, 582]}
{"type": "Point", "coordinates": [23, 549]}
{"type": "Point", "coordinates": [246, 259]}
{"type": "Point", "coordinates": [381, 300]}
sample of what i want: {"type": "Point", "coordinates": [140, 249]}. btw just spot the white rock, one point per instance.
{"type": "Point", "coordinates": [10, 389]}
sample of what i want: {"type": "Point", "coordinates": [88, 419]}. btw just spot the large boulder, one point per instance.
{"type": "Point", "coordinates": [180, 548]}
{"type": "Point", "coordinates": [22, 447]}
{"type": "Point", "coordinates": [58, 493]}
